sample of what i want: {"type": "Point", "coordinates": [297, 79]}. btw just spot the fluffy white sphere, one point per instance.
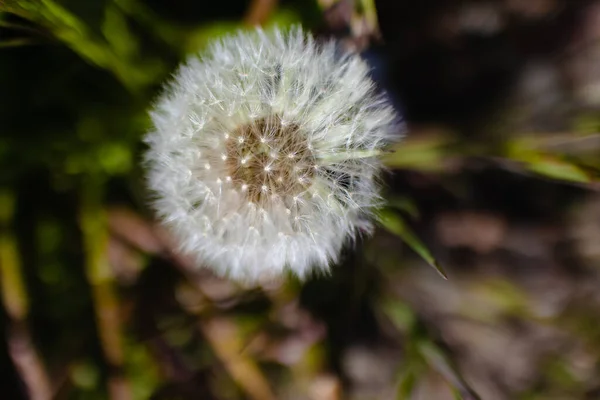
{"type": "Point", "coordinates": [263, 154]}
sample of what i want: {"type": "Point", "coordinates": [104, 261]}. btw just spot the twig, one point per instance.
{"type": "Point", "coordinates": [259, 12]}
{"type": "Point", "coordinates": [224, 337]}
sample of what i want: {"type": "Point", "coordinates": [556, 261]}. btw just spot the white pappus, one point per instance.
{"type": "Point", "coordinates": [263, 156]}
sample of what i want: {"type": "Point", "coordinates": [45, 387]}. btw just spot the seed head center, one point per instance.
{"type": "Point", "coordinates": [269, 159]}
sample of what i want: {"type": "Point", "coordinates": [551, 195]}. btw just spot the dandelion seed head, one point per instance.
{"type": "Point", "coordinates": [262, 154]}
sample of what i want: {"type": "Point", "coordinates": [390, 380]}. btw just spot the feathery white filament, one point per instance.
{"type": "Point", "coordinates": [262, 156]}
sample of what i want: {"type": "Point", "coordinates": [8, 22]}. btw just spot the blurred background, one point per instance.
{"type": "Point", "coordinates": [496, 185]}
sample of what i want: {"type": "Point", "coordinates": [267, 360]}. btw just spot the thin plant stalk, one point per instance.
{"type": "Point", "coordinates": [16, 303]}
{"type": "Point", "coordinates": [93, 221]}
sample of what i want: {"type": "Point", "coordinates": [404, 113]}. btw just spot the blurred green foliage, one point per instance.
{"type": "Point", "coordinates": [77, 79]}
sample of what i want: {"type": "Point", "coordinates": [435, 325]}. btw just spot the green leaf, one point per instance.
{"type": "Point", "coordinates": [19, 27]}
{"type": "Point", "coordinates": [115, 29]}
{"type": "Point", "coordinates": [406, 384]}
{"type": "Point", "coordinates": [437, 360]}
{"type": "Point", "coordinates": [400, 314]}
{"type": "Point", "coordinates": [421, 153]}
{"type": "Point", "coordinates": [556, 168]}
{"type": "Point", "coordinates": [18, 42]}
{"type": "Point", "coordinates": [405, 204]}
{"type": "Point", "coordinates": [396, 225]}
{"type": "Point", "coordinates": [553, 166]}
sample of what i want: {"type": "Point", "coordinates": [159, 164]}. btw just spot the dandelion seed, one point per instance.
{"type": "Point", "coordinates": [306, 125]}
